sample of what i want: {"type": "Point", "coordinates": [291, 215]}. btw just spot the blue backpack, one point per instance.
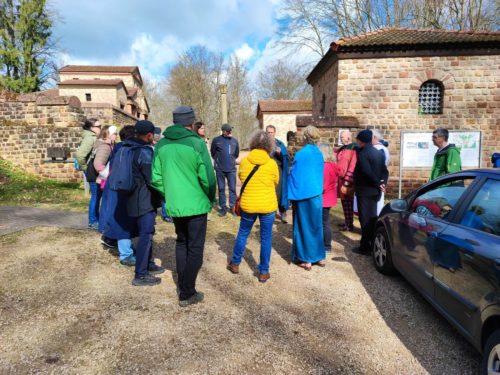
{"type": "Point", "coordinates": [121, 177]}
{"type": "Point", "coordinates": [495, 159]}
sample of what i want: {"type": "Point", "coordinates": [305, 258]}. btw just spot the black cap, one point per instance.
{"type": "Point", "coordinates": [226, 128]}
{"type": "Point", "coordinates": [157, 130]}
{"type": "Point", "coordinates": [365, 136]}
{"type": "Point", "coordinates": [144, 127]}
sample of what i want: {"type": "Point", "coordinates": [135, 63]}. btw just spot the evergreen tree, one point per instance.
{"type": "Point", "coordinates": [25, 44]}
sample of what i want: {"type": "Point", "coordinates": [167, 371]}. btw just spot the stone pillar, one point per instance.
{"type": "Point", "coordinates": [223, 103]}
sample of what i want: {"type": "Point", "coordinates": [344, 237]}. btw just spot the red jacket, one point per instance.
{"type": "Point", "coordinates": [330, 178]}
{"type": "Point", "coordinates": [346, 162]}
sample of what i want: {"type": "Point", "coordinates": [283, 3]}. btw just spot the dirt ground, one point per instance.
{"type": "Point", "coordinates": [68, 307]}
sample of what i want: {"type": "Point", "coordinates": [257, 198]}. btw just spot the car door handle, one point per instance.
{"type": "Point", "coordinates": [471, 242]}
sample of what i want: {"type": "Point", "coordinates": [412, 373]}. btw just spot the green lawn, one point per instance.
{"type": "Point", "coordinates": [22, 189]}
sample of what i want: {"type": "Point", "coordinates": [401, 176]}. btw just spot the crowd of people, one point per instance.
{"type": "Point", "coordinates": [179, 172]}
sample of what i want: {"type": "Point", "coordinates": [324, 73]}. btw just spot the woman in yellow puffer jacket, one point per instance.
{"type": "Point", "coordinates": [258, 200]}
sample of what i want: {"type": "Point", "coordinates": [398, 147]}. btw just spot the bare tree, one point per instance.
{"type": "Point", "coordinates": [240, 102]}
{"type": "Point", "coordinates": [283, 81]}
{"type": "Point", "coordinates": [161, 104]}
{"type": "Point", "coordinates": [195, 80]}
{"type": "Point", "coordinates": [315, 23]}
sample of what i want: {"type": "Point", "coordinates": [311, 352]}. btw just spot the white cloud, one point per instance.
{"type": "Point", "coordinates": [244, 53]}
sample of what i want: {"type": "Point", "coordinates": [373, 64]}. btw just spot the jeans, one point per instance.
{"type": "Point", "coordinates": [327, 229]}
{"type": "Point", "coordinates": [221, 184]}
{"type": "Point", "coordinates": [125, 248]}
{"type": "Point", "coordinates": [95, 201]}
{"type": "Point", "coordinates": [191, 232]}
{"type": "Point", "coordinates": [144, 251]}
{"type": "Point", "coordinates": [266, 237]}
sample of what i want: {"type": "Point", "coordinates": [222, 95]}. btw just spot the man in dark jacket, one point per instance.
{"type": "Point", "coordinates": [225, 150]}
{"type": "Point", "coordinates": [371, 176]}
{"type": "Point", "coordinates": [142, 204]}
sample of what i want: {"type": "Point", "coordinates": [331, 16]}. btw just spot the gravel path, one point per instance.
{"type": "Point", "coordinates": [67, 307]}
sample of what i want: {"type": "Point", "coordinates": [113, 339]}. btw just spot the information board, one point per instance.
{"type": "Point", "coordinates": [418, 150]}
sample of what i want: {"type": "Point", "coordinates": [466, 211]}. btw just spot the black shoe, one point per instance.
{"type": "Point", "coordinates": [147, 280]}
{"type": "Point", "coordinates": [154, 269]}
{"type": "Point", "coordinates": [167, 219]}
{"type": "Point", "coordinates": [222, 213]}
{"type": "Point", "coordinates": [109, 242]}
{"type": "Point", "coordinates": [128, 261]}
{"type": "Point", "coordinates": [195, 298]}
{"type": "Point", "coordinates": [361, 251]}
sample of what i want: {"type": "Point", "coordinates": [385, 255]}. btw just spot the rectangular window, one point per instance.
{"type": "Point", "coordinates": [88, 97]}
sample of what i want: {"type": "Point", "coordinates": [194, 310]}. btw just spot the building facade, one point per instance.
{"type": "Point", "coordinates": [399, 80]}
{"type": "Point", "coordinates": [119, 86]}
{"type": "Point", "coordinates": [282, 114]}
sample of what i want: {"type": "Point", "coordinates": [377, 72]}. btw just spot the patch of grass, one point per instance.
{"type": "Point", "coordinates": [22, 189]}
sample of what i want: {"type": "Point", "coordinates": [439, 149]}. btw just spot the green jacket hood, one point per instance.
{"type": "Point", "coordinates": [258, 157]}
{"type": "Point", "coordinates": [178, 132]}
{"type": "Point", "coordinates": [445, 150]}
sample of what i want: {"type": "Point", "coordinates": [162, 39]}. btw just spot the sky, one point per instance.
{"type": "Point", "coordinates": [153, 33]}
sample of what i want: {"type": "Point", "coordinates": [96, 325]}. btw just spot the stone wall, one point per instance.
{"type": "Point", "coordinates": [108, 114]}
{"type": "Point", "coordinates": [108, 94]}
{"type": "Point", "coordinates": [29, 124]}
{"type": "Point", "coordinates": [383, 93]}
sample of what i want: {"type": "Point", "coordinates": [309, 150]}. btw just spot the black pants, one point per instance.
{"type": "Point", "coordinates": [367, 210]}
{"type": "Point", "coordinates": [189, 245]}
{"type": "Point", "coordinates": [327, 229]}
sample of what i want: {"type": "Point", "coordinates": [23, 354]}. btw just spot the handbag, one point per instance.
{"type": "Point", "coordinates": [237, 205]}
{"type": "Point", "coordinates": [90, 173]}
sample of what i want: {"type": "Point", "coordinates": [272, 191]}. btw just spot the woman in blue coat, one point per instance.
{"type": "Point", "coordinates": [305, 189]}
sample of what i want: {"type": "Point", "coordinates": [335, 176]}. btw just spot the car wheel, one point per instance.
{"type": "Point", "coordinates": [382, 255]}
{"type": "Point", "coordinates": [491, 354]}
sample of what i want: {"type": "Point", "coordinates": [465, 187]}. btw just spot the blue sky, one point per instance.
{"type": "Point", "coordinates": [153, 33]}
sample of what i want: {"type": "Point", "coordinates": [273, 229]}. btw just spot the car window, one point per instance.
{"type": "Point", "coordinates": [483, 212]}
{"type": "Point", "coordinates": [442, 199]}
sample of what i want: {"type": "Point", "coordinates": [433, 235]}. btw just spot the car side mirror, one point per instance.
{"type": "Point", "coordinates": [398, 205]}
{"type": "Point", "coordinates": [417, 221]}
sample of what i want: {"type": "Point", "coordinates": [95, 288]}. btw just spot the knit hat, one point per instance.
{"type": "Point", "coordinates": [144, 127]}
{"type": "Point", "coordinates": [365, 136]}
{"type": "Point", "coordinates": [112, 130]}
{"type": "Point", "coordinates": [226, 128]}
{"type": "Point", "coordinates": [183, 115]}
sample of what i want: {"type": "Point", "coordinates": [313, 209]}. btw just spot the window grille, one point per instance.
{"type": "Point", "coordinates": [430, 98]}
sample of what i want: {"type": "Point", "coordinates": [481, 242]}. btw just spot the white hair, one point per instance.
{"type": "Point", "coordinates": [377, 133]}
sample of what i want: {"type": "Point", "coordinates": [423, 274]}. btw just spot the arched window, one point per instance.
{"type": "Point", "coordinates": [430, 98]}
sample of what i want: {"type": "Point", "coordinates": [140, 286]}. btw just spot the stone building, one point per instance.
{"type": "Point", "coordinates": [408, 79]}
{"type": "Point", "coordinates": [282, 114]}
{"type": "Point", "coordinates": [102, 86]}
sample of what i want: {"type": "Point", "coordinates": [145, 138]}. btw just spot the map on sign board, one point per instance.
{"type": "Point", "coordinates": [418, 149]}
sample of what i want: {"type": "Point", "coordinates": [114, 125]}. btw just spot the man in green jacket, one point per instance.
{"type": "Point", "coordinates": [447, 158]}
{"type": "Point", "coordinates": [183, 173]}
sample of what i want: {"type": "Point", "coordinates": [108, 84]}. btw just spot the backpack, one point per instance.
{"type": "Point", "coordinates": [121, 177]}
{"type": "Point", "coordinates": [90, 173]}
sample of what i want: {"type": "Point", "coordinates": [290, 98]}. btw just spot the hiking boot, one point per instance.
{"type": "Point", "coordinates": [222, 213]}
{"type": "Point", "coordinates": [147, 280]}
{"type": "Point", "coordinates": [195, 298]}
{"type": "Point", "coordinates": [154, 269]}
{"type": "Point", "coordinates": [109, 242]}
{"type": "Point", "coordinates": [263, 277]}
{"type": "Point", "coordinates": [234, 268]}
{"type": "Point", "coordinates": [128, 261]}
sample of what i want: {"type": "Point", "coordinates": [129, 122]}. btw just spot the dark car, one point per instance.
{"type": "Point", "coordinates": [444, 238]}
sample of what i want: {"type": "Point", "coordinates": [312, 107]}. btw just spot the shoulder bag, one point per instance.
{"type": "Point", "coordinates": [237, 205]}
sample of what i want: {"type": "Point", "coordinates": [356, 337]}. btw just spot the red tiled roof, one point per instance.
{"type": "Point", "coordinates": [131, 91]}
{"type": "Point", "coordinates": [284, 105]}
{"type": "Point", "coordinates": [91, 82]}
{"type": "Point", "coordinates": [97, 69]}
{"type": "Point", "coordinates": [412, 37]}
